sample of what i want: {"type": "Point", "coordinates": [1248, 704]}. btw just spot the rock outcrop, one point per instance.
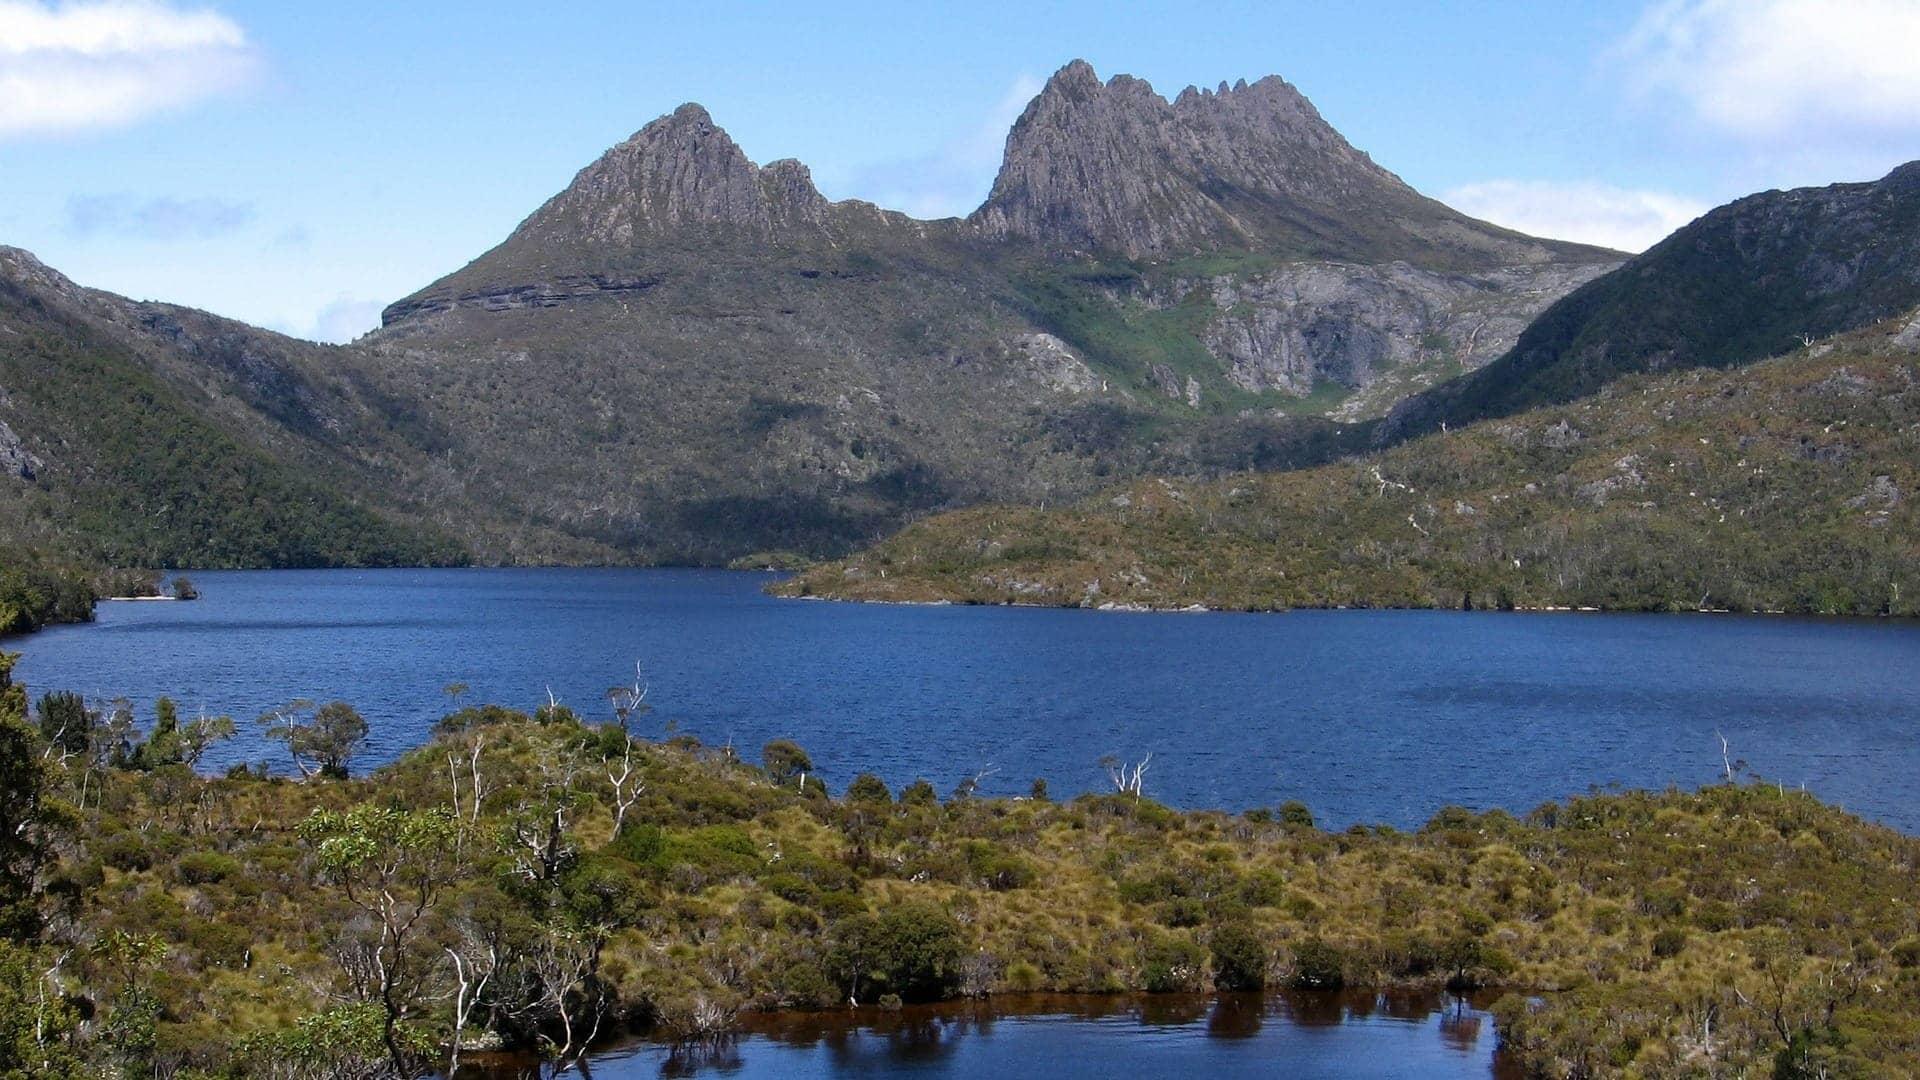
{"type": "Point", "coordinates": [1114, 168]}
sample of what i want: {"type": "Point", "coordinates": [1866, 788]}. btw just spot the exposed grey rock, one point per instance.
{"type": "Point", "coordinates": [1053, 364]}
{"type": "Point", "coordinates": [1881, 492]}
{"type": "Point", "coordinates": [1909, 336]}
{"type": "Point", "coordinates": [1294, 327]}
{"type": "Point", "coordinates": [15, 459]}
{"type": "Point", "coordinates": [1561, 436]}
{"type": "Point", "coordinates": [1116, 168]}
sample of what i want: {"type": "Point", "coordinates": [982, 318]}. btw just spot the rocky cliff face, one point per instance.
{"type": "Point", "coordinates": [1115, 168]}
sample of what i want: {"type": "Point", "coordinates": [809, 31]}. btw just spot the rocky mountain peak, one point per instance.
{"type": "Point", "coordinates": [1116, 168]}
{"type": "Point", "coordinates": [681, 172]}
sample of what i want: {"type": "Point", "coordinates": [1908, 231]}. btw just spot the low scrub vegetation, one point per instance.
{"type": "Point", "coordinates": [1789, 486]}
{"type": "Point", "coordinates": [541, 881]}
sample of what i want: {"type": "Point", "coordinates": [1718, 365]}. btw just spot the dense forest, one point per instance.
{"type": "Point", "coordinates": [1786, 486]}
{"type": "Point", "coordinates": [541, 881]}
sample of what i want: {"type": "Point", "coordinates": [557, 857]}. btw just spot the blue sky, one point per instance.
{"type": "Point", "coordinates": [300, 164]}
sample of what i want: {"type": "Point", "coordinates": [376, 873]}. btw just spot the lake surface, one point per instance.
{"type": "Point", "coordinates": [1367, 716]}
{"type": "Point", "coordinates": [1352, 1036]}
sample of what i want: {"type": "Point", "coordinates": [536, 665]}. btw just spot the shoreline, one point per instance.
{"type": "Point", "coordinates": [1135, 608]}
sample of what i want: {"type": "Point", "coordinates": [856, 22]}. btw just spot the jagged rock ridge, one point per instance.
{"type": "Point", "coordinates": [1115, 168]}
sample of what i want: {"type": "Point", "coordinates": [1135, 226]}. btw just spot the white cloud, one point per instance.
{"type": "Point", "coordinates": [79, 66]}
{"type": "Point", "coordinates": [1778, 70]}
{"type": "Point", "coordinates": [342, 320]}
{"type": "Point", "coordinates": [953, 180]}
{"type": "Point", "coordinates": [155, 219]}
{"type": "Point", "coordinates": [1590, 213]}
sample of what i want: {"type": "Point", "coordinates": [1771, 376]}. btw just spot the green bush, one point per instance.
{"type": "Point", "coordinates": [1669, 942]}
{"type": "Point", "coordinates": [1172, 963]}
{"type": "Point", "coordinates": [919, 793]}
{"type": "Point", "coordinates": [1295, 814]}
{"type": "Point", "coordinates": [1239, 957]}
{"type": "Point", "coordinates": [205, 867]}
{"type": "Point", "coordinates": [913, 951]}
{"type": "Point", "coordinates": [868, 788]}
{"type": "Point", "coordinates": [1317, 966]}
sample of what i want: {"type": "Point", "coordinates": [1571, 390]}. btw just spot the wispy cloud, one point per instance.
{"type": "Point", "coordinates": [954, 179]}
{"type": "Point", "coordinates": [92, 64]}
{"type": "Point", "coordinates": [1782, 70]}
{"type": "Point", "coordinates": [155, 219]}
{"type": "Point", "coordinates": [342, 320]}
{"type": "Point", "coordinates": [1620, 218]}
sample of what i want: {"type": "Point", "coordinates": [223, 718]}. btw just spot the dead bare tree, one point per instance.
{"type": "Point", "coordinates": [630, 701]}
{"type": "Point", "coordinates": [1127, 779]}
{"type": "Point", "coordinates": [473, 968]}
{"type": "Point", "coordinates": [627, 785]}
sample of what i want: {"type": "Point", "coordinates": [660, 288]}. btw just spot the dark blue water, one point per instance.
{"type": "Point", "coordinates": [1367, 716]}
{"type": "Point", "coordinates": [1349, 1036]}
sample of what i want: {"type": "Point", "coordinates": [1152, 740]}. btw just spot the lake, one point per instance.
{"type": "Point", "coordinates": [1349, 1036]}
{"type": "Point", "coordinates": [1366, 716]}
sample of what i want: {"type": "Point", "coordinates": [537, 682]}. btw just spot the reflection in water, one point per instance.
{"type": "Point", "coordinates": [1341, 1035]}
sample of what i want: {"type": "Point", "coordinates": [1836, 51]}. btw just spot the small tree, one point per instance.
{"type": "Point", "coordinates": [323, 741]}
{"type": "Point", "coordinates": [785, 762]}
{"type": "Point", "coordinates": [868, 788]}
{"type": "Point", "coordinates": [393, 865]}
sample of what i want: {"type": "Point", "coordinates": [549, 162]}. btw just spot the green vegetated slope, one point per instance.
{"type": "Point", "coordinates": [115, 455]}
{"type": "Point", "coordinates": [1749, 280]}
{"type": "Point", "coordinates": [155, 920]}
{"type": "Point", "coordinates": [1786, 486]}
{"type": "Point", "coordinates": [34, 594]}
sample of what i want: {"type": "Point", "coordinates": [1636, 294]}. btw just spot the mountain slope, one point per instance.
{"type": "Point", "coordinates": [1748, 280]}
{"type": "Point", "coordinates": [1785, 486]}
{"type": "Point", "coordinates": [148, 435]}
{"type": "Point", "coordinates": [689, 357]}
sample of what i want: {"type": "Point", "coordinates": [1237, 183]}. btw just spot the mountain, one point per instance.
{"type": "Point", "coordinates": [144, 434]}
{"type": "Point", "coordinates": [1116, 169]}
{"type": "Point", "coordinates": [1749, 280]}
{"type": "Point", "coordinates": [688, 357]}
{"type": "Point", "coordinates": [1788, 485]}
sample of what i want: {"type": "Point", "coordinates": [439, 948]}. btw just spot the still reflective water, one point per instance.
{"type": "Point", "coordinates": [1367, 716]}
{"type": "Point", "coordinates": [1349, 1036]}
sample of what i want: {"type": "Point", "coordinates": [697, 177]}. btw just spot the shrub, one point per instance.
{"type": "Point", "coordinates": [1295, 814]}
{"type": "Point", "coordinates": [1239, 958]}
{"type": "Point", "coordinates": [785, 762]}
{"type": "Point", "coordinates": [639, 844]}
{"type": "Point", "coordinates": [913, 951]}
{"type": "Point", "coordinates": [1906, 953]}
{"type": "Point", "coordinates": [919, 793]}
{"type": "Point", "coordinates": [1317, 966]}
{"type": "Point", "coordinates": [998, 869]}
{"type": "Point", "coordinates": [205, 867]}
{"type": "Point", "coordinates": [1024, 978]}
{"type": "Point", "coordinates": [125, 851]}
{"type": "Point", "coordinates": [868, 788]}
{"type": "Point", "coordinates": [1263, 888]}
{"type": "Point", "coordinates": [1669, 942]}
{"type": "Point", "coordinates": [1172, 963]}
